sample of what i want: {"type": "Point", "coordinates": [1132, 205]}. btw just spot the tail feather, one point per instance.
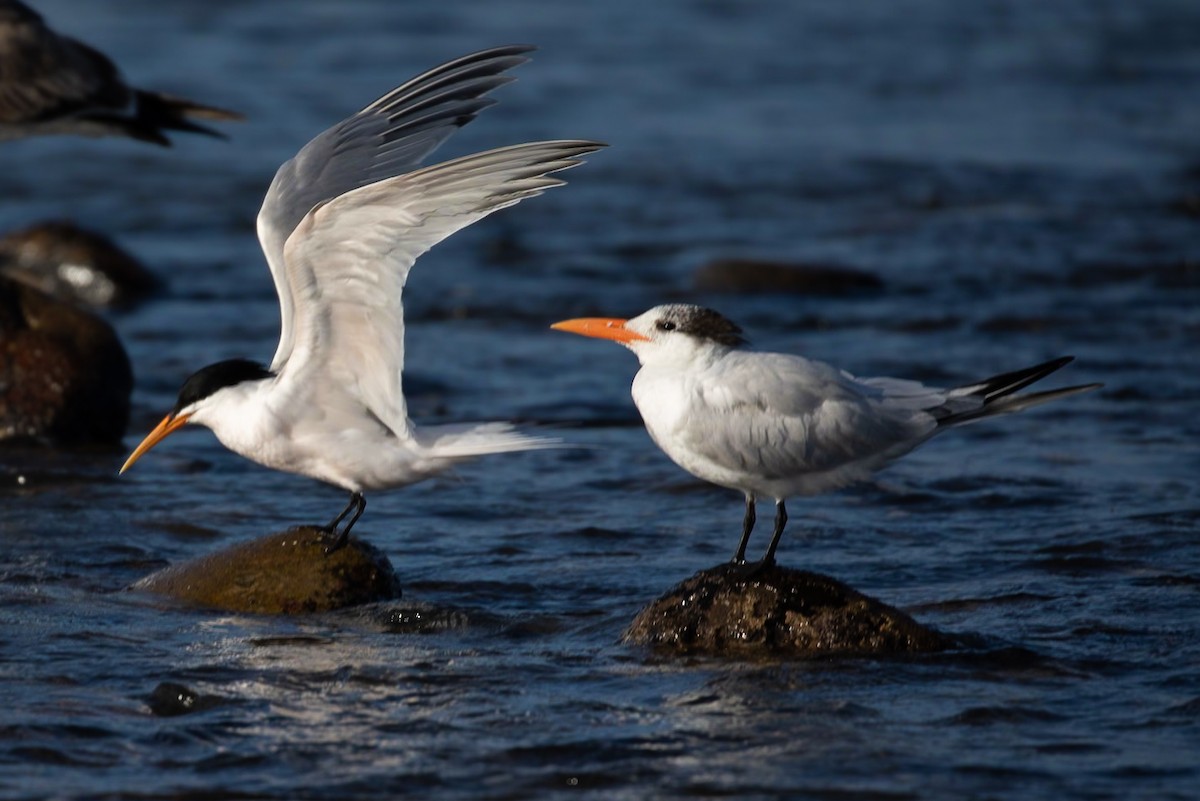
{"type": "Point", "coordinates": [463, 441]}
{"type": "Point", "coordinates": [1007, 383]}
{"type": "Point", "coordinates": [157, 112]}
{"type": "Point", "coordinates": [996, 395]}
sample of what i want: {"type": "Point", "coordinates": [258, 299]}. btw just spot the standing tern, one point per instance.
{"type": "Point", "coordinates": [341, 226]}
{"type": "Point", "coordinates": [52, 84]}
{"type": "Point", "coordinates": [775, 425]}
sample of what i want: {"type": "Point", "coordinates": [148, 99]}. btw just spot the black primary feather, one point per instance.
{"type": "Point", "coordinates": [998, 393]}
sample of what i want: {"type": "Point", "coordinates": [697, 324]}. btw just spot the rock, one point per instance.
{"type": "Point", "coordinates": [750, 275]}
{"type": "Point", "coordinates": [64, 375]}
{"type": "Point", "coordinates": [1186, 205]}
{"type": "Point", "coordinates": [72, 263]}
{"type": "Point", "coordinates": [776, 612]}
{"type": "Point", "coordinates": [286, 573]}
{"type": "Point", "coordinates": [169, 699]}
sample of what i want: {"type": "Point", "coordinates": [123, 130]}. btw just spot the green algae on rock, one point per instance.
{"type": "Point", "coordinates": [285, 573]}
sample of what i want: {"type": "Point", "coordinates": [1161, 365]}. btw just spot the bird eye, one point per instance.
{"type": "Point", "coordinates": [665, 325]}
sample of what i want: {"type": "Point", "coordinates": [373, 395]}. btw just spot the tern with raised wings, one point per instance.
{"type": "Point", "coordinates": [341, 226]}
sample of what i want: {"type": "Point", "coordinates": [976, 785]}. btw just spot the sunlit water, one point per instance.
{"type": "Point", "coordinates": [1022, 177]}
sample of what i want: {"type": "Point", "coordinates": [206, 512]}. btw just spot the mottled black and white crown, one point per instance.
{"type": "Point", "coordinates": [698, 322]}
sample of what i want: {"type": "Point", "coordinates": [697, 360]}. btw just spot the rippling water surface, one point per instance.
{"type": "Point", "coordinates": [1024, 178]}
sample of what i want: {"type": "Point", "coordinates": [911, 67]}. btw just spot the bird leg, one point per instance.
{"type": "Point", "coordinates": [739, 558]}
{"type": "Point", "coordinates": [332, 525]}
{"type": "Point", "coordinates": [780, 521]}
{"type": "Point", "coordinates": [745, 571]}
{"type": "Point", "coordinates": [358, 504]}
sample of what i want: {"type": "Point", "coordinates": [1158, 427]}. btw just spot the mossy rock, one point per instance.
{"type": "Point", "coordinates": [285, 573]}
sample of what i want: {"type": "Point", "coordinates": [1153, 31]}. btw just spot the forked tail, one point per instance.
{"type": "Point", "coordinates": [157, 112]}
{"type": "Point", "coordinates": [996, 395]}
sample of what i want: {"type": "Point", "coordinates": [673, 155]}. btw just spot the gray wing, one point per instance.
{"type": "Point", "coordinates": [785, 416]}
{"type": "Point", "coordinates": [348, 260]}
{"type": "Point", "coordinates": [391, 136]}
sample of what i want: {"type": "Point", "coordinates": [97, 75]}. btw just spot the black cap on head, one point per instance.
{"type": "Point", "coordinates": [208, 380]}
{"type": "Point", "coordinates": [701, 323]}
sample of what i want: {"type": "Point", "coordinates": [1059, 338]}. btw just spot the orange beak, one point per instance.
{"type": "Point", "coordinates": [601, 328]}
{"type": "Point", "coordinates": [169, 423]}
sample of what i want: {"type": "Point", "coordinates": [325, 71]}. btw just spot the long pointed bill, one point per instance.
{"type": "Point", "coordinates": [601, 328]}
{"type": "Point", "coordinates": [169, 423]}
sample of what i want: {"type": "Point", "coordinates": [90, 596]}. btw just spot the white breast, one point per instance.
{"type": "Point", "coordinates": [672, 410]}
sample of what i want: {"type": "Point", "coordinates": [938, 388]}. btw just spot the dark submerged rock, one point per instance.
{"type": "Point", "coordinates": [286, 573]}
{"type": "Point", "coordinates": [776, 612]}
{"type": "Point", "coordinates": [750, 275]}
{"type": "Point", "coordinates": [62, 259]}
{"type": "Point", "coordinates": [64, 375]}
{"type": "Point", "coordinates": [169, 699]}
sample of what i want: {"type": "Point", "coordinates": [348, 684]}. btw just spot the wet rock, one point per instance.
{"type": "Point", "coordinates": [776, 612]}
{"type": "Point", "coordinates": [1187, 206]}
{"type": "Point", "coordinates": [424, 619]}
{"type": "Point", "coordinates": [72, 263]}
{"type": "Point", "coordinates": [750, 275]}
{"type": "Point", "coordinates": [286, 573]}
{"type": "Point", "coordinates": [169, 699]}
{"type": "Point", "coordinates": [64, 375]}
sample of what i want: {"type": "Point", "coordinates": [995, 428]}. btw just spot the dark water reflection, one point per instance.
{"type": "Point", "coordinates": [1023, 178]}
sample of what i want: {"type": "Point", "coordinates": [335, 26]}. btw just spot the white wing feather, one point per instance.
{"type": "Point", "coordinates": [347, 262]}
{"type": "Point", "coordinates": [389, 137]}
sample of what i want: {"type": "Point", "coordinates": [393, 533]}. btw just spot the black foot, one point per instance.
{"type": "Point", "coordinates": [354, 508]}
{"type": "Point", "coordinates": [746, 571]}
{"type": "Point", "coordinates": [338, 543]}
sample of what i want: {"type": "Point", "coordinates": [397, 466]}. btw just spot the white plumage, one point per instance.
{"type": "Point", "coordinates": [774, 425]}
{"type": "Point", "coordinates": [341, 226]}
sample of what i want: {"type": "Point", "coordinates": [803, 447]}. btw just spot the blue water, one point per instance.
{"type": "Point", "coordinates": [1023, 177]}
